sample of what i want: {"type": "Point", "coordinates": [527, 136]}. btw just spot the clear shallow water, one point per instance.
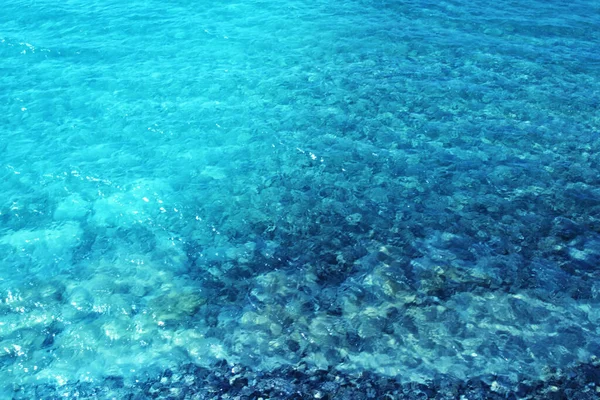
{"type": "Point", "coordinates": [405, 188]}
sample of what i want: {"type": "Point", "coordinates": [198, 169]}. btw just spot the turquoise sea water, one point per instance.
{"type": "Point", "coordinates": [407, 188]}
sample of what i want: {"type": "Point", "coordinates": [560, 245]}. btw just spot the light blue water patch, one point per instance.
{"type": "Point", "coordinates": [403, 187]}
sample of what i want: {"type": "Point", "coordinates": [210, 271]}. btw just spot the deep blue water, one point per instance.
{"type": "Point", "coordinates": [408, 189]}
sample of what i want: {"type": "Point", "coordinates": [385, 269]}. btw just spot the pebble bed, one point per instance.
{"type": "Point", "coordinates": [224, 381]}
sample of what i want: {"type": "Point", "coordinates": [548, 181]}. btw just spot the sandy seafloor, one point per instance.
{"type": "Point", "coordinates": [300, 199]}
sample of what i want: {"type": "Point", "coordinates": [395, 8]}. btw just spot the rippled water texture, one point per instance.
{"type": "Point", "coordinates": [404, 188]}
